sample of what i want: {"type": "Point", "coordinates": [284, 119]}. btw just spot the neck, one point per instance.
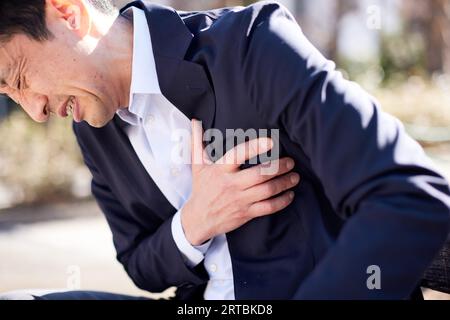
{"type": "Point", "coordinates": [117, 49]}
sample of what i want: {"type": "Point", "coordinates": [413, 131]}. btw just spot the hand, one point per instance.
{"type": "Point", "coordinates": [224, 197]}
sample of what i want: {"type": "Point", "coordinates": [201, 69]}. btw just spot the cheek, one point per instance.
{"type": "Point", "coordinates": [51, 72]}
{"type": "Point", "coordinates": [42, 80]}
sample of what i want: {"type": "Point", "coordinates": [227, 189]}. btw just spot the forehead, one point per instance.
{"type": "Point", "coordinates": [20, 47]}
{"type": "Point", "coordinates": [9, 51]}
{"type": "Point", "coordinates": [12, 51]}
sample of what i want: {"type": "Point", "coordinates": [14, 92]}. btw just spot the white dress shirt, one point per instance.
{"type": "Point", "coordinates": [153, 121]}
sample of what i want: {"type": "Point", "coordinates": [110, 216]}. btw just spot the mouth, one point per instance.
{"type": "Point", "coordinates": [70, 107]}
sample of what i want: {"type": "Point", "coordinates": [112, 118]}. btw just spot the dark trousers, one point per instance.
{"type": "Point", "coordinates": [87, 295]}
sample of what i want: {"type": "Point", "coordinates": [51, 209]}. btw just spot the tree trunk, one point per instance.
{"type": "Point", "coordinates": [431, 19]}
{"type": "Point", "coordinates": [342, 7]}
{"type": "Point", "coordinates": [434, 36]}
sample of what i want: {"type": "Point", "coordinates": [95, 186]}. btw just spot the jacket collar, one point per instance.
{"type": "Point", "coordinates": [184, 83]}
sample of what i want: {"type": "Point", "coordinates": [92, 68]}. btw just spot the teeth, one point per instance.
{"type": "Point", "coordinates": [70, 106]}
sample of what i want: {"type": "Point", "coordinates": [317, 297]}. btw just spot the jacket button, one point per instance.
{"type": "Point", "coordinates": [150, 120]}
{"type": "Point", "coordinates": [213, 267]}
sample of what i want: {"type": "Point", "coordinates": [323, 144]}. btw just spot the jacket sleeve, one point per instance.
{"type": "Point", "coordinates": [151, 258]}
{"type": "Point", "coordinates": [376, 177]}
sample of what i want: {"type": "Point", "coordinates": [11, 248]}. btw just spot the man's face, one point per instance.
{"type": "Point", "coordinates": [60, 74]}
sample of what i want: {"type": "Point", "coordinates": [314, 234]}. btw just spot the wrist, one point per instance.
{"type": "Point", "coordinates": [192, 227]}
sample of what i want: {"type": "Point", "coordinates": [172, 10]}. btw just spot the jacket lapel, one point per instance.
{"type": "Point", "coordinates": [184, 83]}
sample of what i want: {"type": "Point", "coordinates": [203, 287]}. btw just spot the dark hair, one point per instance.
{"type": "Point", "coordinates": [28, 17]}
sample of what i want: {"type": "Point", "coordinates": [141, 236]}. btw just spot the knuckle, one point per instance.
{"type": "Point", "coordinates": [288, 198]}
{"type": "Point", "coordinates": [284, 201]}
{"type": "Point", "coordinates": [287, 181]}
{"type": "Point", "coordinates": [275, 165]}
{"type": "Point", "coordinates": [242, 215]}
{"type": "Point", "coordinates": [270, 206]}
{"type": "Point", "coordinates": [270, 188]}
{"type": "Point", "coordinates": [256, 177]}
{"type": "Point", "coordinates": [238, 205]}
{"type": "Point", "coordinates": [249, 210]}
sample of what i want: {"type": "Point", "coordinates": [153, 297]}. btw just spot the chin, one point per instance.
{"type": "Point", "coordinates": [99, 122]}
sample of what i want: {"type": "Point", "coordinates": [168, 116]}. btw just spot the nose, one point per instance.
{"type": "Point", "coordinates": [36, 105]}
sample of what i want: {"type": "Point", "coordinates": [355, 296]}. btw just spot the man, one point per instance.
{"type": "Point", "coordinates": [370, 205]}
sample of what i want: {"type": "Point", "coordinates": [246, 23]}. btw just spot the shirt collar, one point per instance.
{"type": "Point", "coordinates": [144, 78]}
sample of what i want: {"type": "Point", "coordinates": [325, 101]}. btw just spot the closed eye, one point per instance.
{"type": "Point", "coordinates": [19, 83]}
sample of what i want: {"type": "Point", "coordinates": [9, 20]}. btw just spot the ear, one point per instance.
{"type": "Point", "coordinates": [74, 13]}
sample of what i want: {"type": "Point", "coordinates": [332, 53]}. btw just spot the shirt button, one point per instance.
{"type": "Point", "coordinates": [150, 120]}
{"type": "Point", "coordinates": [175, 171]}
{"type": "Point", "coordinates": [213, 267]}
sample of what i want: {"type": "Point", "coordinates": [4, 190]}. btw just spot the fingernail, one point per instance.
{"type": "Point", "coordinates": [291, 195]}
{"type": "Point", "coordinates": [290, 164]}
{"type": "Point", "coordinates": [295, 178]}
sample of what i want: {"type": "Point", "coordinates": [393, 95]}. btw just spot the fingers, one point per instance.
{"type": "Point", "coordinates": [271, 206]}
{"type": "Point", "coordinates": [235, 157]}
{"type": "Point", "coordinates": [273, 187]}
{"type": "Point", "coordinates": [257, 174]}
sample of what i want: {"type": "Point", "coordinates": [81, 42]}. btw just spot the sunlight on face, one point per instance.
{"type": "Point", "coordinates": [68, 74]}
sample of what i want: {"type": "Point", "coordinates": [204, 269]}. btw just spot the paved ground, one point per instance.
{"type": "Point", "coordinates": [69, 246]}
{"type": "Point", "coordinates": [74, 252]}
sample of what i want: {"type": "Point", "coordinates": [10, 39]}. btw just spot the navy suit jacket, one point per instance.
{"type": "Point", "coordinates": [368, 194]}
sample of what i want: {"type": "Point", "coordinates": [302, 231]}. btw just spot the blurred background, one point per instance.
{"type": "Point", "coordinates": [53, 236]}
